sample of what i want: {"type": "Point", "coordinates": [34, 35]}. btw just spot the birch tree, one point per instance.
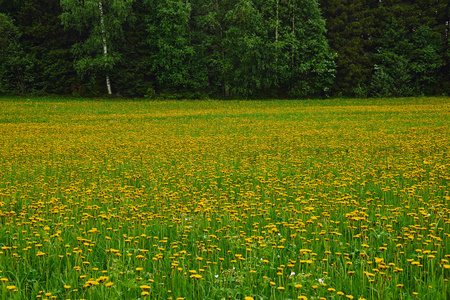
{"type": "Point", "coordinates": [100, 22]}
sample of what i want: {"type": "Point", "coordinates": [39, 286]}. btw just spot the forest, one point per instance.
{"type": "Point", "coordinates": [198, 49]}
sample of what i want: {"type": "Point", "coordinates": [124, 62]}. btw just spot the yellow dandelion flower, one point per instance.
{"type": "Point", "coordinates": [92, 282]}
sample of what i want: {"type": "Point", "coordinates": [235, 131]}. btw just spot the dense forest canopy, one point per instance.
{"type": "Point", "coordinates": [225, 48]}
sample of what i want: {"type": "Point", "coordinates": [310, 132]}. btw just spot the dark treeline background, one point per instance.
{"type": "Point", "coordinates": [225, 48]}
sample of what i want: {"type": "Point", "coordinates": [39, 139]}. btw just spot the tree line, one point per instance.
{"type": "Point", "coordinates": [225, 48]}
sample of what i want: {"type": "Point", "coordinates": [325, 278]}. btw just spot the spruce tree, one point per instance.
{"type": "Point", "coordinates": [15, 64]}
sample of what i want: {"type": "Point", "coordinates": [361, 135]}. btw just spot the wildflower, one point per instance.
{"type": "Point", "coordinates": [92, 283]}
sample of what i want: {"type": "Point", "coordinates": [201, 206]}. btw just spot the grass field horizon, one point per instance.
{"type": "Point", "coordinates": [272, 199]}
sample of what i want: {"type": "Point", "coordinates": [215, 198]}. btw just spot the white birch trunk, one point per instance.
{"type": "Point", "coordinates": [105, 47]}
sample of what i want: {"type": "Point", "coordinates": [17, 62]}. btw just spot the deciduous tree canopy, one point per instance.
{"type": "Point", "coordinates": [225, 48]}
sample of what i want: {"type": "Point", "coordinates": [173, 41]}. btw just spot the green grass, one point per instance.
{"type": "Point", "coordinates": [267, 199]}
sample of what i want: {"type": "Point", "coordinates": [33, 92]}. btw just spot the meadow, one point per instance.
{"type": "Point", "coordinates": [324, 199]}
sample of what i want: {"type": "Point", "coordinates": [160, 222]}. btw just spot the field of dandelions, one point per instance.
{"type": "Point", "coordinates": [324, 199]}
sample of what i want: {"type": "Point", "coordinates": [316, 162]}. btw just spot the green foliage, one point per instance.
{"type": "Point", "coordinates": [177, 63]}
{"type": "Point", "coordinates": [9, 35]}
{"type": "Point", "coordinates": [100, 21]}
{"type": "Point", "coordinates": [226, 48]}
{"type": "Point", "coordinates": [240, 48]}
{"type": "Point", "coordinates": [426, 59]}
{"type": "Point", "coordinates": [244, 43]}
{"type": "Point", "coordinates": [390, 48]}
{"type": "Point", "coordinates": [407, 62]}
{"type": "Point", "coordinates": [392, 78]}
{"type": "Point", "coordinates": [351, 29]}
{"type": "Point", "coordinates": [14, 63]}
{"type": "Point", "coordinates": [45, 44]}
